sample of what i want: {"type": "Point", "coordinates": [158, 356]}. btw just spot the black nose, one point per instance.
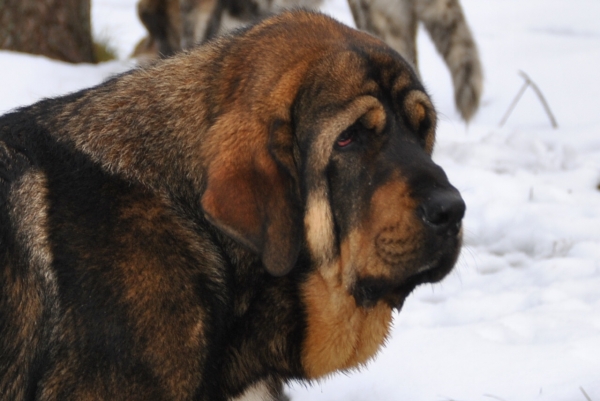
{"type": "Point", "coordinates": [443, 211]}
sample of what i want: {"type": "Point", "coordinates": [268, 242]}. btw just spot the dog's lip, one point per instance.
{"type": "Point", "coordinates": [426, 267]}
{"type": "Point", "coordinates": [425, 275]}
{"type": "Point", "coordinates": [368, 291]}
{"type": "Point", "coordinates": [429, 273]}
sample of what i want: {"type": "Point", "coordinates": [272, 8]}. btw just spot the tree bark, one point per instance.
{"type": "Point", "coordinates": [59, 29]}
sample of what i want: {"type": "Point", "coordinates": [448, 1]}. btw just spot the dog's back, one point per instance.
{"type": "Point", "coordinates": [89, 266]}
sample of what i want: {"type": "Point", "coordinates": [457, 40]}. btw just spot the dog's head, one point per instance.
{"type": "Point", "coordinates": [377, 206]}
{"type": "Point", "coordinates": [337, 159]}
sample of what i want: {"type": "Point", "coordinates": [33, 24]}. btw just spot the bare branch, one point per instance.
{"type": "Point", "coordinates": [538, 92]}
{"type": "Point", "coordinates": [585, 394]}
{"type": "Point", "coordinates": [541, 97]}
{"type": "Point", "coordinates": [514, 103]}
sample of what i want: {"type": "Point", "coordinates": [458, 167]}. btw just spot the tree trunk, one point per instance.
{"type": "Point", "coordinates": [60, 29]}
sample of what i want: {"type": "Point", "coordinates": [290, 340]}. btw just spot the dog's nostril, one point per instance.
{"type": "Point", "coordinates": [443, 211]}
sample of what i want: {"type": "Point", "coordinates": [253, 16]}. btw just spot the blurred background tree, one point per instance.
{"type": "Point", "coordinates": [59, 29]}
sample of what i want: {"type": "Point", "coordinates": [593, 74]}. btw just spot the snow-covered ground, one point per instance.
{"type": "Point", "coordinates": [519, 319]}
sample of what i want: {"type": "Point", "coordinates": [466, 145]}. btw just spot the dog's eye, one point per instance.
{"type": "Point", "coordinates": [344, 140]}
{"type": "Point", "coordinates": [348, 137]}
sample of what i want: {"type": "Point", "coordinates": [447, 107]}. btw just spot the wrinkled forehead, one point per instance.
{"type": "Point", "coordinates": [334, 81]}
{"type": "Point", "coordinates": [370, 84]}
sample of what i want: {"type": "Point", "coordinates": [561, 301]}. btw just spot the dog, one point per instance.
{"type": "Point", "coordinates": [173, 25]}
{"type": "Point", "coordinates": [221, 222]}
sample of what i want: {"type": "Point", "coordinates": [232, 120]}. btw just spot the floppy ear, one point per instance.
{"type": "Point", "coordinates": [253, 197]}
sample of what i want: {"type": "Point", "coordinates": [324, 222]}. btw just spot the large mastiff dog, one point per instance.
{"type": "Point", "coordinates": [224, 221]}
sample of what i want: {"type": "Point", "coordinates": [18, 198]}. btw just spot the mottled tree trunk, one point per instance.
{"type": "Point", "coordinates": [60, 29]}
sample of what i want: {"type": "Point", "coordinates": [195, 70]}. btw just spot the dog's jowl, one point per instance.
{"type": "Point", "coordinates": [231, 218]}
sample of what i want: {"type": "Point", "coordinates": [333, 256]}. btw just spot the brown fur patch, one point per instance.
{"type": "Point", "coordinates": [393, 232]}
{"type": "Point", "coordinates": [401, 82]}
{"type": "Point", "coordinates": [387, 237]}
{"type": "Point", "coordinates": [374, 119]}
{"type": "Point", "coordinates": [339, 334]}
{"type": "Point", "coordinates": [247, 195]}
{"type": "Point", "coordinates": [414, 104]}
{"type": "Point", "coordinates": [418, 108]}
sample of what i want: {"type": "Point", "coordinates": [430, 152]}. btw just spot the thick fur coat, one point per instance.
{"type": "Point", "coordinates": [210, 227]}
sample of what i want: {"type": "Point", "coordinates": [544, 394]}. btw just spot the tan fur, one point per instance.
{"type": "Point", "coordinates": [401, 83]}
{"type": "Point", "coordinates": [319, 224]}
{"type": "Point", "coordinates": [418, 107]}
{"type": "Point", "coordinates": [339, 334]}
{"type": "Point", "coordinates": [374, 119]}
{"type": "Point", "coordinates": [393, 232]}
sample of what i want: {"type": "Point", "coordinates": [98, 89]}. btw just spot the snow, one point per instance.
{"type": "Point", "coordinates": [519, 318]}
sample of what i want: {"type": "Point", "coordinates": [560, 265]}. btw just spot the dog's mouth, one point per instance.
{"type": "Point", "coordinates": [368, 291]}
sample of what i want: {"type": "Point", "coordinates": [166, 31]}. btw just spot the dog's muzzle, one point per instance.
{"type": "Point", "coordinates": [440, 215]}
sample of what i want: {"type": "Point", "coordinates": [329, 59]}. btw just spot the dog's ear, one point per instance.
{"type": "Point", "coordinates": [253, 197]}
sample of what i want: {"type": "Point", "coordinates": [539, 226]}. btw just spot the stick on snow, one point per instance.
{"type": "Point", "coordinates": [538, 92]}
